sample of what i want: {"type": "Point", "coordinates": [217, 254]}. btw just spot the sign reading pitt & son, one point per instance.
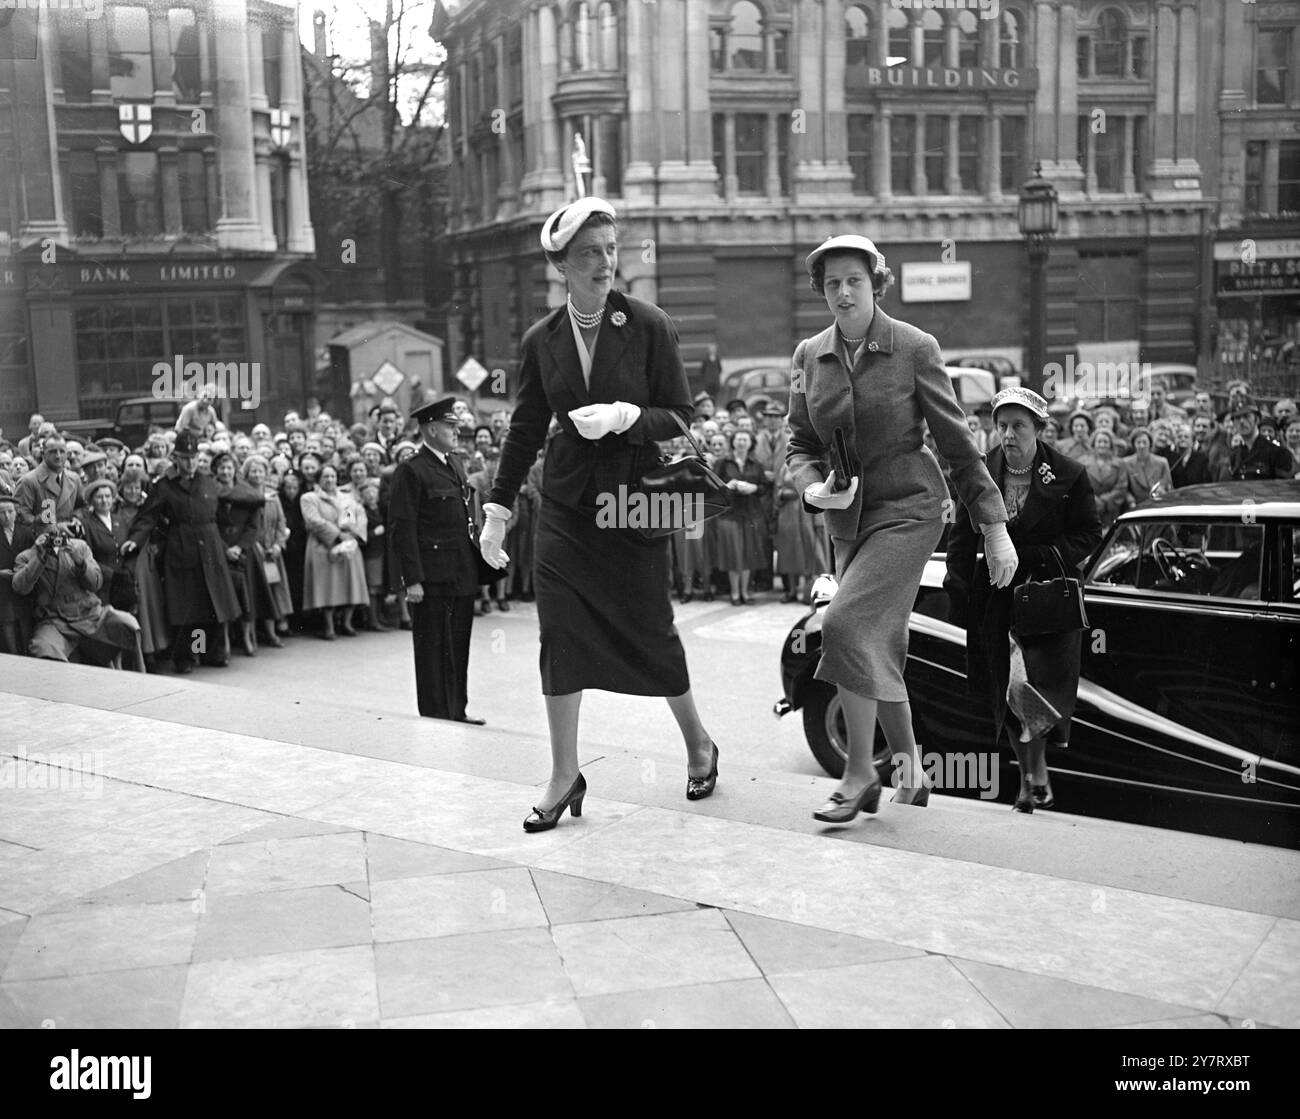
{"type": "Point", "coordinates": [941, 78]}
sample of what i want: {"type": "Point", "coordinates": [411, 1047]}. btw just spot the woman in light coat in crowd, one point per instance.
{"type": "Point", "coordinates": [272, 536]}
{"type": "Point", "coordinates": [1148, 474]}
{"type": "Point", "coordinates": [1109, 478]}
{"type": "Point", "coordinates": [334, 572]}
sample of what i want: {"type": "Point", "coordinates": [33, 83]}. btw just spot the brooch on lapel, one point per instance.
{"type": "Point", "coordinates": [873, 346]}
{"type": "Point", "coordinates": [618, 318]}
{"type": "Point", "coordinates": [1045, 472]}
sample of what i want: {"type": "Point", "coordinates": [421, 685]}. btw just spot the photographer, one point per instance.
{"type": "Point", "coordinates": [62, 573]}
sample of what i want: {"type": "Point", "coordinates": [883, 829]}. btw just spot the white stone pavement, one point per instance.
{"type": "Point", "coordinates": [172, 854]}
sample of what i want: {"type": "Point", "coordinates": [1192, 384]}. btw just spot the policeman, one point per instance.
{"type": "Point", "coordinates": [431, 533]}
{"type": "Point", "coordinates": [1256, 457]}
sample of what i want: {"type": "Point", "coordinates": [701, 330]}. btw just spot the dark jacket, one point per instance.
{"type": "Point", "coordinates": [428, 525]}
{"type": "Point", "coordinates": [1192, 472]}
{"type": "Point", "coordinates": [196, 578]}
{"type": "Point", "coordinates": [14, 607]}
{"type": "Point", "coordinates": [1264, 459]}
{"type": "Point", "coordinates": [1060, 513]}
{"type": "Point", "coordinates": [104, 543]}
{"type": "Point", "coordinates": [636, 361]}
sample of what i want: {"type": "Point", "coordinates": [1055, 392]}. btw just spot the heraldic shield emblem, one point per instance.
{"type": "Point", "coordinates": [135, 122]}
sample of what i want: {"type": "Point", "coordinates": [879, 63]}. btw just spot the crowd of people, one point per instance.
{"type": "Point", "coordinates": [298, 535]}
{"type": "Point", "coordinates": [1145, 447]}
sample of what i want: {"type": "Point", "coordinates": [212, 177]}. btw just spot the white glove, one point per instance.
{"type": "Point", "coordinates": [1000, 554]}
{"type": "Point", "coordinates": [821, 496]}
{"type": "Point", "coordinates": [594, 421]}
{"type": "Point", "coordinates": [494, 534]}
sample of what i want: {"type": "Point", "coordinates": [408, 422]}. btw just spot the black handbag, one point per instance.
{"type": "Point", "coordinates": [1054, 606]}
{"type": "Point", "coordinates": [682, 493]}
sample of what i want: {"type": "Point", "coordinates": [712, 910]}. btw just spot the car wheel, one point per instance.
{"type": "Point", "coordinates": [827, 734]}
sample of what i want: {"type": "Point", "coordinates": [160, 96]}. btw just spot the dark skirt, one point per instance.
{"type": "Point", "coordinates": [740, 545]}
{"type": "Point", "coordinates": [604, 610]}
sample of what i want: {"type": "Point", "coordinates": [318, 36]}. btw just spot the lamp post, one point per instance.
{"type": "Point", "coordinates": [1038, 221]}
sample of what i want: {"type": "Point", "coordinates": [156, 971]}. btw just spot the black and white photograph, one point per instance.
{"type": "Point", "coordinates": [651, 514]}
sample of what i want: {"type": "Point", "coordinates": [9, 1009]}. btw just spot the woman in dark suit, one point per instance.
{"type": "Point", "coordinates": [741, 532]}
{"type": "Point", "coordinates": [105, 530]}
{"type": "Point", "coordinates": [607, 368]}
{"type": "Point", "coordinates": [1050, 503]}
{"type": "Point", "coordinates": [881, 382]}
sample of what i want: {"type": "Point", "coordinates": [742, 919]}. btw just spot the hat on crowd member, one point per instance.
{"type": "Point", "coordinates": [437, 411]}
{"type": "Point", "coordinates": [1243, 406]}
{"type": "Point", "coordinates": [88, 490]}
{"type": "Point", "coordinates": [1080, 414]}
{"type": "Point", "coordinates": [7, 498]}
{"type": "Point", "coordinates": [732, 405]}
{"type": "Point", "coordinates": [559, 228]}
{"type": "Point", "coordinates": [109, 441]}
{"type": "Point", "coordinates": [847, 242]}
{"type": "Point", "coordinates": [219, 457]}
{"type": "Point", "coordinates": [701, 397]}
{"type": "Point", "coordinates": [187, 444]}
{"type": "Point", "coordinates": [774, 409]}
{"type": "Point", "coordinates": [372, 446]}
{"type": "Point", "coordinates": [1034, 404]}
{"type": "Point", "coordinates": [404, 445]}
{"type": "Point", "coordinates": [93, 457]}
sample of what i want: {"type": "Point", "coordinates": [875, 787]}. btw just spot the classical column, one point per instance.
{"type": "Point", "coordinates": [951, 46]}
{"type": "Point", "coordinates": [837, 175]}
{"type": "Point", "coordinates": [919, 182]}
{"type": "Point", "coordinates": [262, 170]}
{"type": "Point", "coordinates": [551, 176]}
{"type": "Point", "coordinates": [256, 72]}
{"type": "Point", "coordinates": [952, 162]}
{"type": "Point", "coordinates": [110, 205]}
{"type": "Point", "coordinates": [1128, 182]}
{"type": "Point", "coordinates": [1043, 133]}
{"type": "Point", "coordinates": [506, 189]}
{"type": "Point", "coordinates": [302, 238]}
{"type": "Point", "coordinates": [1067, 173]}
{"type": "Point", "coordinates": [993, 155]}
{"type": "Point", "coordinates": [238, 226]}
{"type": "Point", "coordinates": [698, 120]}
{"type": "Point", "coordinates": [36, 146]}
{"type": "Point", "coordinates": [730, 179]}
{"type": "Point", "coordinates": [638, 178]}
{"type": "Point", "coordinates": [810, 42]}
{"type": "Point", "coordinates": [670, 82]}
{"type": "Point", "coordinates": [1090, 175]}
{"type": "Point", "coordinates": [1166, 51]}
{"type": "Point", "coordinates": [880, 165]}
{"type": "Point", "coordinates": [772, 173]}
{"type": "Point", "coordinates": [169, 171]}
{"type": "Point", "coordinates": [918, 36]}
{"type": "Point", "coordinates": [1185, 147]}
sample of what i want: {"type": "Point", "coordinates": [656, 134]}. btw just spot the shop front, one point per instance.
{"type": "Point", "coordinates": [1257, 291]}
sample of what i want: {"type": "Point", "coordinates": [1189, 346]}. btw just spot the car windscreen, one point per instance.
{"type": "Point", "coordinates": [1207, 558]}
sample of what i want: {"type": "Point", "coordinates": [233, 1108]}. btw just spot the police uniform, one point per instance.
{"type": "Point", "coordinates": [1263, 459]}
{"type": "Point", "coordinates": [431, 536]}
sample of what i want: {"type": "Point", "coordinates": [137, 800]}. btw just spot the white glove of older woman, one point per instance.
{"type": "Point", "coordinates": [494, 534]}
{"type": "Point", "coordinates": [594, 421]}
{"type": "Point", "coordinates": [820, 495]}
{"type": "Point", "coordinates": [1000, 554]}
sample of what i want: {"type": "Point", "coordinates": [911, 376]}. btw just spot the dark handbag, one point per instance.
{"type": "Point", "coordinates": [121, 589]}
{"type": "Point", "coordinates": [1054, 606]}
{"type": "Point", "coordinates": [683, 493]}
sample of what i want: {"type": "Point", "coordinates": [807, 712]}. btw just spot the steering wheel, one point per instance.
{"type": "Point", "coordinates": [1169, 560]}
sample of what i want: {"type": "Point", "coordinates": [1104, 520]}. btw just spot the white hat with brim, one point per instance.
{"type": "Point", "coordinates": [559, 228]}
{"type": "Point", "coordinates": [1026, 398]}
{"type": "Point", "coordinates": [847, 242]}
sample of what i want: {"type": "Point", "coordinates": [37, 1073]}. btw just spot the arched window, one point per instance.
{"type": "Point", "coordinates": [745, 40]}
{"type": "Point", "coordinates": [968, 39]}
{"type": "Point", "coordinates": [607, 37]}
{"type": "Point", "coordinates": [900, 35]}
{"type": "Point", "coordinates": [1108, 49]}
{"type": "Point", "coordinates": [1011, 37]}
{"type": "Point", "coordinates": [857, 38]}
{"type": "Point", "coordinates": [932, 38]}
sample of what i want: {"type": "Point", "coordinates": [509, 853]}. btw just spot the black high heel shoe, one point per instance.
{"type": "Point", "coordinates": [697, 788]}
{"type": "Point", "coordinates": [1042, 795]}
{"type": "Point", "coordinates": [545, 820]}
{"type": "Point", "coordinates": [838, 810]}
{"type": "Point", "coordinates": [1024, 802]}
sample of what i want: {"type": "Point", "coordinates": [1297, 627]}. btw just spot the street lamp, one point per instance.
{"type": "Point", "coordinates": [1038, 221]}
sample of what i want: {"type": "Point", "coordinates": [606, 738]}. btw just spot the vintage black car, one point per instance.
{"type": "Point", "coordinates": [1188, 712]}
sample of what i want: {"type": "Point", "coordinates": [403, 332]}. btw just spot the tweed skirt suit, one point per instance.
{"type": "Point", "coordinates": [883, 401]}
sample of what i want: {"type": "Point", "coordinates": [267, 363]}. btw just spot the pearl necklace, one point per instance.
{"type": "Point", "coordinates": [1023, 470]}
{"type": "Point", "coordinates": [853, 342]}
{"type": "Point", "coordinates": [586, 322]}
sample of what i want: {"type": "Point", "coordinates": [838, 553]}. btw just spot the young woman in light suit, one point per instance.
{"type": "Point", "coordinates": [881, 381]}
{"type": "Point", "coordinates": [607, 368]}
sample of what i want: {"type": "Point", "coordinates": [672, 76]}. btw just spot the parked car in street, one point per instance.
{"type": "Point", "coordinates": [1189, 709]}
{"type": "Point", "coordinates": [756, 385]}
{"type": "Point", "coordinates": [136, 417]}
